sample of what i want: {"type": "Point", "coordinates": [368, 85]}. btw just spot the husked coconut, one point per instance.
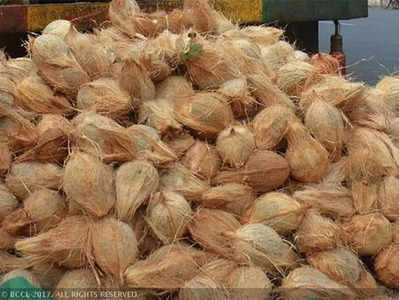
{"type": "Point", "coordinates": [389, 85]}
{"type": "Point", "coordinates": [8, 202]}
{"type": "Point", "coordinates": [337, 172]}
{"type": "Point", "coordinates": [386, 266]}
{"type": "Point", "coordinates": [365, 197]}
{"type": "Point", "coordinates": [388, 193]}
{"type": "Point", "coordinates": [173, 88]}
{"type": "Point", "coordinates": [325, 64]}
{"type": "Point", "coordinates": [58, 27]}
{"type": "Point", "coordinates": [198, 14]}
{"type": "Point", "coordinates": [21, 67]}
{"type": "Point", "coordinates": [77, 280]}
{"type": "Point", "coordinates": [5, 157]}
{"type": "Point", "coordinates": [395, 232]}
{"type": "Point", "coordinates": [181, 144]}
{"type": "Point", "coordinates": [7, 241]}
{"type": "Point", "coordinates": [277, 54]}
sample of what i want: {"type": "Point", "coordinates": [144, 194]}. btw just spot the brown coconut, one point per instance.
{"type": "Point", "coordinates": [395, 232]}
{"type": "Point", "coordinates": [365, 197]}
{"type": "Point", "coordinates": [277, 54]}
{"type": "Point", "coordinates": [325, 64]}
{"type": "Point", "coordinates": [57, 65]}
{"type": "Point", "coordinates": [337, 172]}
{"type": "Point", "coordinates": [277, 210]}
{"type": "Point", "coordinates": [393, 131]}
{"type": "Point", "coordinates": [209, 229]}
{"type": "Point", "coordinates": [7, 241]}
{"type": "Point", "coordinates": [174, 87]}
{"type": "Point", "coordinates": [105, 97]}
{"type": "Point", "coordinates": [260, 165]}
{"type": "Point", "coordinates": [239, 97]}
{"type": "Point", "coordinates": [207, 113]}
{"type": "Point", "coordinates": [386, 266]}
{"type": "Point", "coordinates": [307, 158]}
{"type": "Point", "coordinates": [308, 283]}
{"type": "Point", "coordinates": [48, 275]}
{"type": "Point", "coordinates": [67, 244]}
{"type": "Point", "coordinates": [184, 181]}
{"type": "Point", "coordinates": [5, 156]}
{"type": "Point", "coordinates": [198, 14]}
{"type": "Point", "coordinates": [235, 198]}
{"type": "Point", "coordinates": [326, 124]}
{"type": "Point", "coordinates": [11, 263]}
{"type": "Point", "coordinates": [235, 145]}
{"type": "Point", "coordinates": [168, 215]}
{"type": "Point", "coordinates": [270, 126]}
{"type": "Point", "coordinates": [90, 183]}
{"type": "Point", "coordinates": [27, 177]}
{"type": "Point", "coordinates": [181, 143]}
{"type": "Point", "coordinates": [389, 85]}
{"type": "Point", "coordinates": [149, 145]}
{"type": "Point", "coordinates": [78, 280]}
{"type": "Point", "coordinates": [114, 247]}
{"type": "Point", "coordinates": [388, 193]}
{"type": "Point", "coordinates": [8, 202]}
{"type": "Point", "coordinates": [259, 245]}
{"type": "Point", "coordinates": [332, 200]}
{"type": "Point", "coordinates": [35, 95]}
{"type": "Point", "coordinates": [41, 211]}
{"type": "Point", "coordinates": [368, 234]}
{"type": "Point", "coordinates": [135, 181]}
{"type": "Point", "coordinates": [122, 14]}
{"type": "Point", "coordinates": [102, 137]}
{"type": "Point", "coordinates": [317, 233]}
{"type": "Point", "coordinates": [203, 160]}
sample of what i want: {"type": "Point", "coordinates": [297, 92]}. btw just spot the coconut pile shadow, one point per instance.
{"type": "Point", "coordinates": [176, 155]}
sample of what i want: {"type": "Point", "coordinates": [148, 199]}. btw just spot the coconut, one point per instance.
{"type": "Point", "coordinates": [247, 283]}
{"type": "Point", "coordinates": [278, 211]}
{"type": "Point", "coordinates": [122, 13]}
{"type": "Point", "coordinates": [58, 27]}
{"type": "Point", "coordinates": [67, 244]}
{"type": "Point", "coordinates": [92, 190]}
{"type": "Point", "coordinates": [150, 146]}
{"type": "Point", "coordinates": [235, 145]}
{"type": "Point", "coordinates": [114, 247]}
{"type": "Point", "coordinates": [267, 93]}
{"type": "Point", "coordinates": [198, 14]}
{"type": "Point", "coordinates": [102, 137]}
{"type": "Point", "coordinates": [306, 157]}
{"type": "Point", "coordinates": [237, 93]}
{"type": "Point", "coordinates": [325, 64]}
{"type": "Point", "coordinates": [386, 266]}
{"type": "Point", "coordinates": [207, 113]}
{"type": "Point", "coordinates": [332, 200]}
{"type": "Point", "coordinates": [202, 159]}
{"type": "Point", "coordinates": [326, 124]}
{"type": "Point", "coordinates": [387, 198]}
{"type": "Point", "coordinates": [235, 198]}
{"type": "Point", "coordinates": [20, 68]}
{"type": "Point", "coordinates": [277, 54]}
{"type": "Point", "coordinates": [57, 65]}
{"type": "Point", "coordinates": [7, 92]}
{"type": "Point", "coordinates": [105, 97]}
{"type": "Point", "coordinates": [41, 211]}
{"type": "Point", "coordinates": [308, 283]}
{"type": "Point", "coordinates": [335, 90]}
{"type": "Point", "coordinates": [78, 280]}
{"type": "Point", "coordinates": [222, 24]}
{"type": "Point", "coordinates": [393, 131]}
{"type": "Point", "coordinates": [368, 234]}
{"type": "Point", "coordinates": [317, 233]}
{"type": "Point", "coordinates": [27, 275]}
{"type": "Point", "coordinates": [7, 241]}
{"type": "Point", "coordinates": [184, 181]}
{"type": "Point", "coordinates": [159, 114]}
{"type": "Point", "coordinates": [260, 165]}
{"type": "Point", "coordinates": [91, 54]}
{"type": "Point", "coordinates": [337, 172]}
{"type": "Point", "coordinates": [5, 157]}
{"type": "Point", "coordinates": [8, 202]}
{"type": "Point", "coordinates": [168, 214]}
{"type": "Point", "coordinates": [339, 264]}
{"type": "Point", "coordinates": [27, 177]}
{"type": "Point", "coordinates": [180, 145]}
{"type": "Point", "coordinates": [270, 126]}
{"type": "Point", "coordinates": [299, 55]}
{"type": "Point", "coordinates": [390, 87]}
{"type": "Point", "coordinates": [135, 182]}
{"type": "Point", "coordinates": [12, 263]}
{"type": "Point", "coordinates": [261, 246]}
{"type": "Point", "coordinates": [48, 275]}
{"type": "Point", "coordinates": [263, 35]}
{"type": "Point", "coordinates": [365, 197]}
{"type": "Point", "coordinates": [174, 87]}
{"type": "Point", "coordinates": [367, 286]}
{"type": "Point", "coordinates": [209, 228]}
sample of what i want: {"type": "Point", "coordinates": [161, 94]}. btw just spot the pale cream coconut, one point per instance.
{"type": "Point", "coordinates": [48, 275]}
{"type": "Point", "coordinates": [58, 27]}
{"type": "Point", "coordinates": [365, 197]}
{"type": "Point", "coordinates": [277, 54]}
{"type": "Point", "coordinates": [168, 215]}
{"type": "Point", "coordinates": [270, 125]}
{"type": "Point", "coordinates": [388, 193]}
{"type": "Point", "coordinates": [368, 234]}
{"type": "Point", "coordinates": [174, 87]}
{"type": "Point", "coordinates": [235, 145]}
{"type": "Point", "coordinates": [7, 92]}
{"type": "Point", "coordinates": [90, 183]}
{"type": "Point", "coordinates": [277, 210]}
{"type": "Point", "coordinates": [8, 202]}
{"type": "Point", "coordinates": [11, 263]}
{"type": "Point", "coordinates": [263, 35]}
{"type": "Point", "coordinates": [27, 177]}
{"type": "Point", "coordinates": [387, 266]}
{"type": "Point", "coordinates": [122, 13]}
{"type": "Point", "coordinates": [393, 131]}
{"type": "Point", "coordinates": [135, 181]}
{"type": "Point", "coordinates": [390, 87]}
{"type": "Point", "coordinates": [21, 67]}
{"type": "Point", "coordinates": [235, 198]}
{"type": "Point", "coordinates": [78, 280]}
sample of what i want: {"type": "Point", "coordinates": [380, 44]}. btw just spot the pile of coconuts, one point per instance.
{"type": "Point", "coordinates": [184, 157]}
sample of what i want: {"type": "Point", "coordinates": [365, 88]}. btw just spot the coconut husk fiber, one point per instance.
{"type": "Point", "coordinates": [209, 229]}
{"type": "Point", "coordinates": [75, 280]}
{"type": "Point", "coordinates": [5, 157]}
{"type": "Point", "coordinates": [114, 247]}
{"type": "Point", "coordinates": [202, 288]}
{"type": "Point", "coordinates": [135, 181]}
{"type": "Point", "coordinates": [306, 282]}
{"type": "Point", "coordinates": [386, 266]}
{"type": "Point", "coordinates": [205, 112]}
{"type": "Point", "coordinates": [368, 234]}
{"type": "Point", "coordinates": [26, 177]}
{"type": "Point", "coordinates": [389, 85]}
{"type": "Point", "coordinates": [41, 211]}
{"type": "Point", "coordinates": [387, 195]}
{"type": "Point", "coordinates": [19, 68]}
{"type": "Point", "coordinates": [181, 143]}
{"type": "Point", "coordinates": [337, 172]}
{"type": "Point", "coordinates": [104, 96]}
{"type": "Point", "coordinates": [102, 137]}
{"type": "Point", "coordinates": [11, 263]}
{"type": "Point", "coordinates": [235, 145]}
{"type": "Point", "coordinates": [67, 244]}
{"type": "Point", "coordinates": [277, 210]}
{"type": "Point", "coordinates": [122, 14]}
{"type": "Point", "coordinates": [168, 215]}
{"type": "Point", "coordinates": [393, 131]}
{"type": "Point", "coordinates": [235, 198]}
{"type": "Point", "coordinates": [7, 241]}
{"type": "Point", "coordinates": [8, 202]}
{"type": "Point", "coordinates": [174, 87]}
{"type": "Point", "coordinates": [7, 92]}
{"type": "Point", "coordinates": [365, 197]}
{"type": "Point", "coordinates": [263, 35]}
{"type": "Point", "coordinates": [277, 54]}
{"type": "Point", "coordinates": [203, 160]}
{"type": "Point", "coordinates": [325, 64]}
{"type": "Point", "coordinates": [90, 183]}
{"type": "Point", "coordinates": [198, 15]}
{"type": "Point", "coordinates": [260, 165]}
{"type": "Point", "coordinates": [317, 233]}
